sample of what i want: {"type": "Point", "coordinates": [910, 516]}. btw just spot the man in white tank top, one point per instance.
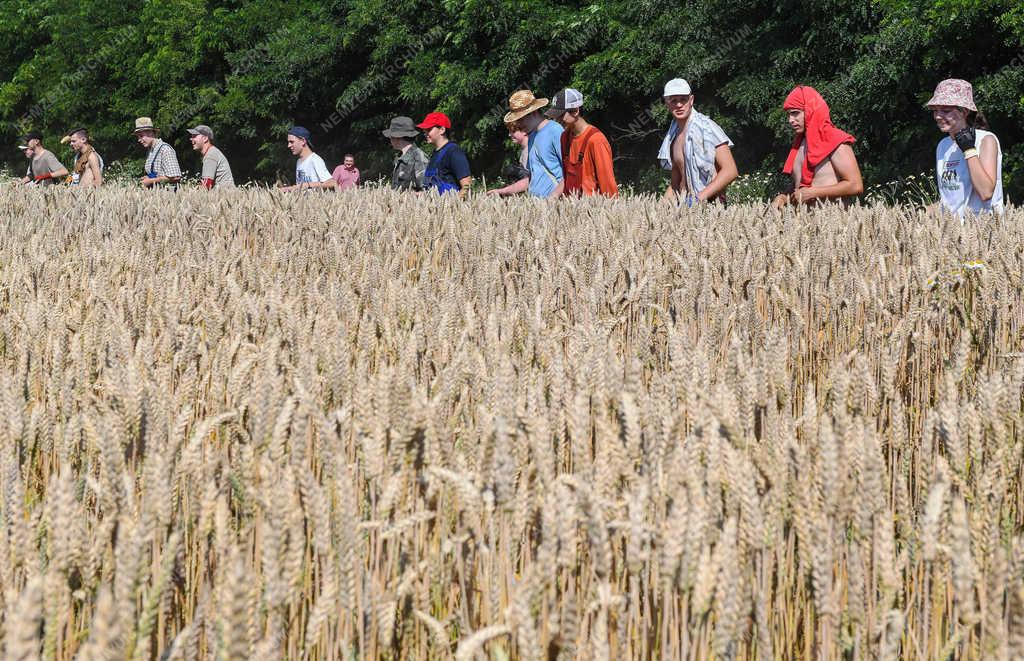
{"type": "Point", "coordinates": [968, 161]}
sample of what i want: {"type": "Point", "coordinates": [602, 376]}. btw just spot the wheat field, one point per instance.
{"type": "Point", "coordinates": [253, 425]}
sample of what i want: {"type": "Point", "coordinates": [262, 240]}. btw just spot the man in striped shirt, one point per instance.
{"type": "Point", "coordinates": [161, 161]}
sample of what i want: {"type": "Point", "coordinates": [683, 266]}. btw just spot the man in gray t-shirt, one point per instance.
{"type": "Point", "coordinates": [46, 169]}
{"type": "Point", "coordinates": [216, 170]}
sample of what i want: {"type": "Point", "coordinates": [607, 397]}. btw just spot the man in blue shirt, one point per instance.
{"type": "Point", "coordinates": [545, 143]}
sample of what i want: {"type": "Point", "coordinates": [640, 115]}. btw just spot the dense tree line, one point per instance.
{"type": "Point", "coordinates": [344, 67]}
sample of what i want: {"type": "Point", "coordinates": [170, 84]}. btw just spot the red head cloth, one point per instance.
{"type": "Point", "coordinates": [822, 136]}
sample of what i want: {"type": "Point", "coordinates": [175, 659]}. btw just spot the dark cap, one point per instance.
{"type": "Point", "coordinates": [302, 132]}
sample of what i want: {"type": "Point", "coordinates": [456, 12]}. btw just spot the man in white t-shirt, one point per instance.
{"type": "Point", "coordinates": [310, 170]}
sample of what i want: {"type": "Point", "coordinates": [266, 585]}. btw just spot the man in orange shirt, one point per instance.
{"type": "Point", "coordinates": [586, 153]}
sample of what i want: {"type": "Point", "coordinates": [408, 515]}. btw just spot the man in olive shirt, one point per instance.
{"type": "Point", "coordinates": [216, 170]}
{"type": "Point", "coordinates": [46, 169]}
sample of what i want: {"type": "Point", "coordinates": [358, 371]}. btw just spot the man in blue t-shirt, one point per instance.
{"type": "Point", "coordinates": [545, 144]}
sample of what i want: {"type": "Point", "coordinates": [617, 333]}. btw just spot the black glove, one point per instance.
{"type": "Point", "coordinates": [965, 138]}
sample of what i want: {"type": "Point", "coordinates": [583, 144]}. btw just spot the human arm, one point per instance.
{"type": "Point", "coordinates": [725, 174]}
{"type": "Point", "coordinates": [981, 164]}
{"type": "Point", "coordinates": [166, 162]}
{"type": "Point", "coordinates": [604, 170]}
{"type": "Point", "coordinates": [785, 197]}
{"type": "Point", "coordinates": [170, 167]}
{"type": "Point", "coordinates": [208, 178]}
{"type": "Point", "coordinates": [57, 171]}
{"type": "Point", "coordinates": [419, 165]}
{"type": "Point", "coordinates": [516, 187]}
{"type": "Point", "coordinates": [330, 184]}
{"type": "Point", "coordinates": [324, 180]}
{"type": "Point", "coordinates": [849, 183]}
{"type": "Point", "coordinates": [551, 160]}
{"type": "Point", "coordinates": [460, 168]}
{"type": "Point", "coordinates": [92, 164]}
{"type": "Point", "coordinates": [148, 181]}
{"type": "Point", "coordinates": [675, 183]}
{"type": "Point", "coordinates": [54, 168]}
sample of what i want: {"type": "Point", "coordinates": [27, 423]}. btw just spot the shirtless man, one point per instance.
{"type": "Point", "coordinates": [821, 160]}
{"type": "Point", "coordinates": [695, 149]}
{"type": "Point", "coordinates": [88, 169]}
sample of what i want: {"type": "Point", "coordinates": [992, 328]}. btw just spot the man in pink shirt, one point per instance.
{"type": "Point", "coordinates": [346, 174]}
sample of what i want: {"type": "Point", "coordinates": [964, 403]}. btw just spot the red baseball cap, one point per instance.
{"type": "Point", "coordinates": [435, 119]}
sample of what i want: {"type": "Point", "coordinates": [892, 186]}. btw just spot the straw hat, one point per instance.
{"type": "Point", "coordinates": [521, 104]}
{"type": "Point", "coordinates": [144, 124]}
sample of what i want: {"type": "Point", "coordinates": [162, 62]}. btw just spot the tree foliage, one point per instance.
{"type": "Point", "coordinates": [344, 67]}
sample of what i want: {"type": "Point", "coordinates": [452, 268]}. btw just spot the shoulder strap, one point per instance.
{"type": "Point", "coordinates": [156, 154]}
{"type": "Point", "coordinates": [587, 135]}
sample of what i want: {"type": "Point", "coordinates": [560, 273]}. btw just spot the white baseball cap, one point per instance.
{"type": "Point", "coordinates": [677, 87]}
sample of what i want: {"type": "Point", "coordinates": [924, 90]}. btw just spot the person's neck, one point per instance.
{"type": "Point", "coordinates": [205, 148]}
{"type": "Point", "coordinates": [406, 147]}
{"type": "Point", "coordinates": [956, 129]}
{"type": "Point", "coordinates": [685, 121]}
{"type": "Point", "coordinates": [305, 153]}
{"type": "Point", "coordinates": [441, 142]}
{"type": "Point", "coordinates": [579, 126]}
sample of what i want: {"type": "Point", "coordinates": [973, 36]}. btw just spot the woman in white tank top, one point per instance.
{"type": "Point", "coordinates": [968, 161]}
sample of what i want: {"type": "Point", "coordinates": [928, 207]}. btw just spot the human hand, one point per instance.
{"type": "Point", "coordinates": [781, 200]}
{"type": "Point", "coordinates": [965, 139]}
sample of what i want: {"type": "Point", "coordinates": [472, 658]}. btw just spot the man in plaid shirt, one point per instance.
{"type": "Point", "coordinates": [161, 161]}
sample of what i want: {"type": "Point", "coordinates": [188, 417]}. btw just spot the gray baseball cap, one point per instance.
{"type": "Point", "coordinates": [567, 99]}
{"type": "Point", "coordinates": [202, 129]}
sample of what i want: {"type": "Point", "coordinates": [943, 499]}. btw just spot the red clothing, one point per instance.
{"type": "Point", "coordinates": [822, 137]}
{"type": "Point", "coordinates": [587, 164]}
